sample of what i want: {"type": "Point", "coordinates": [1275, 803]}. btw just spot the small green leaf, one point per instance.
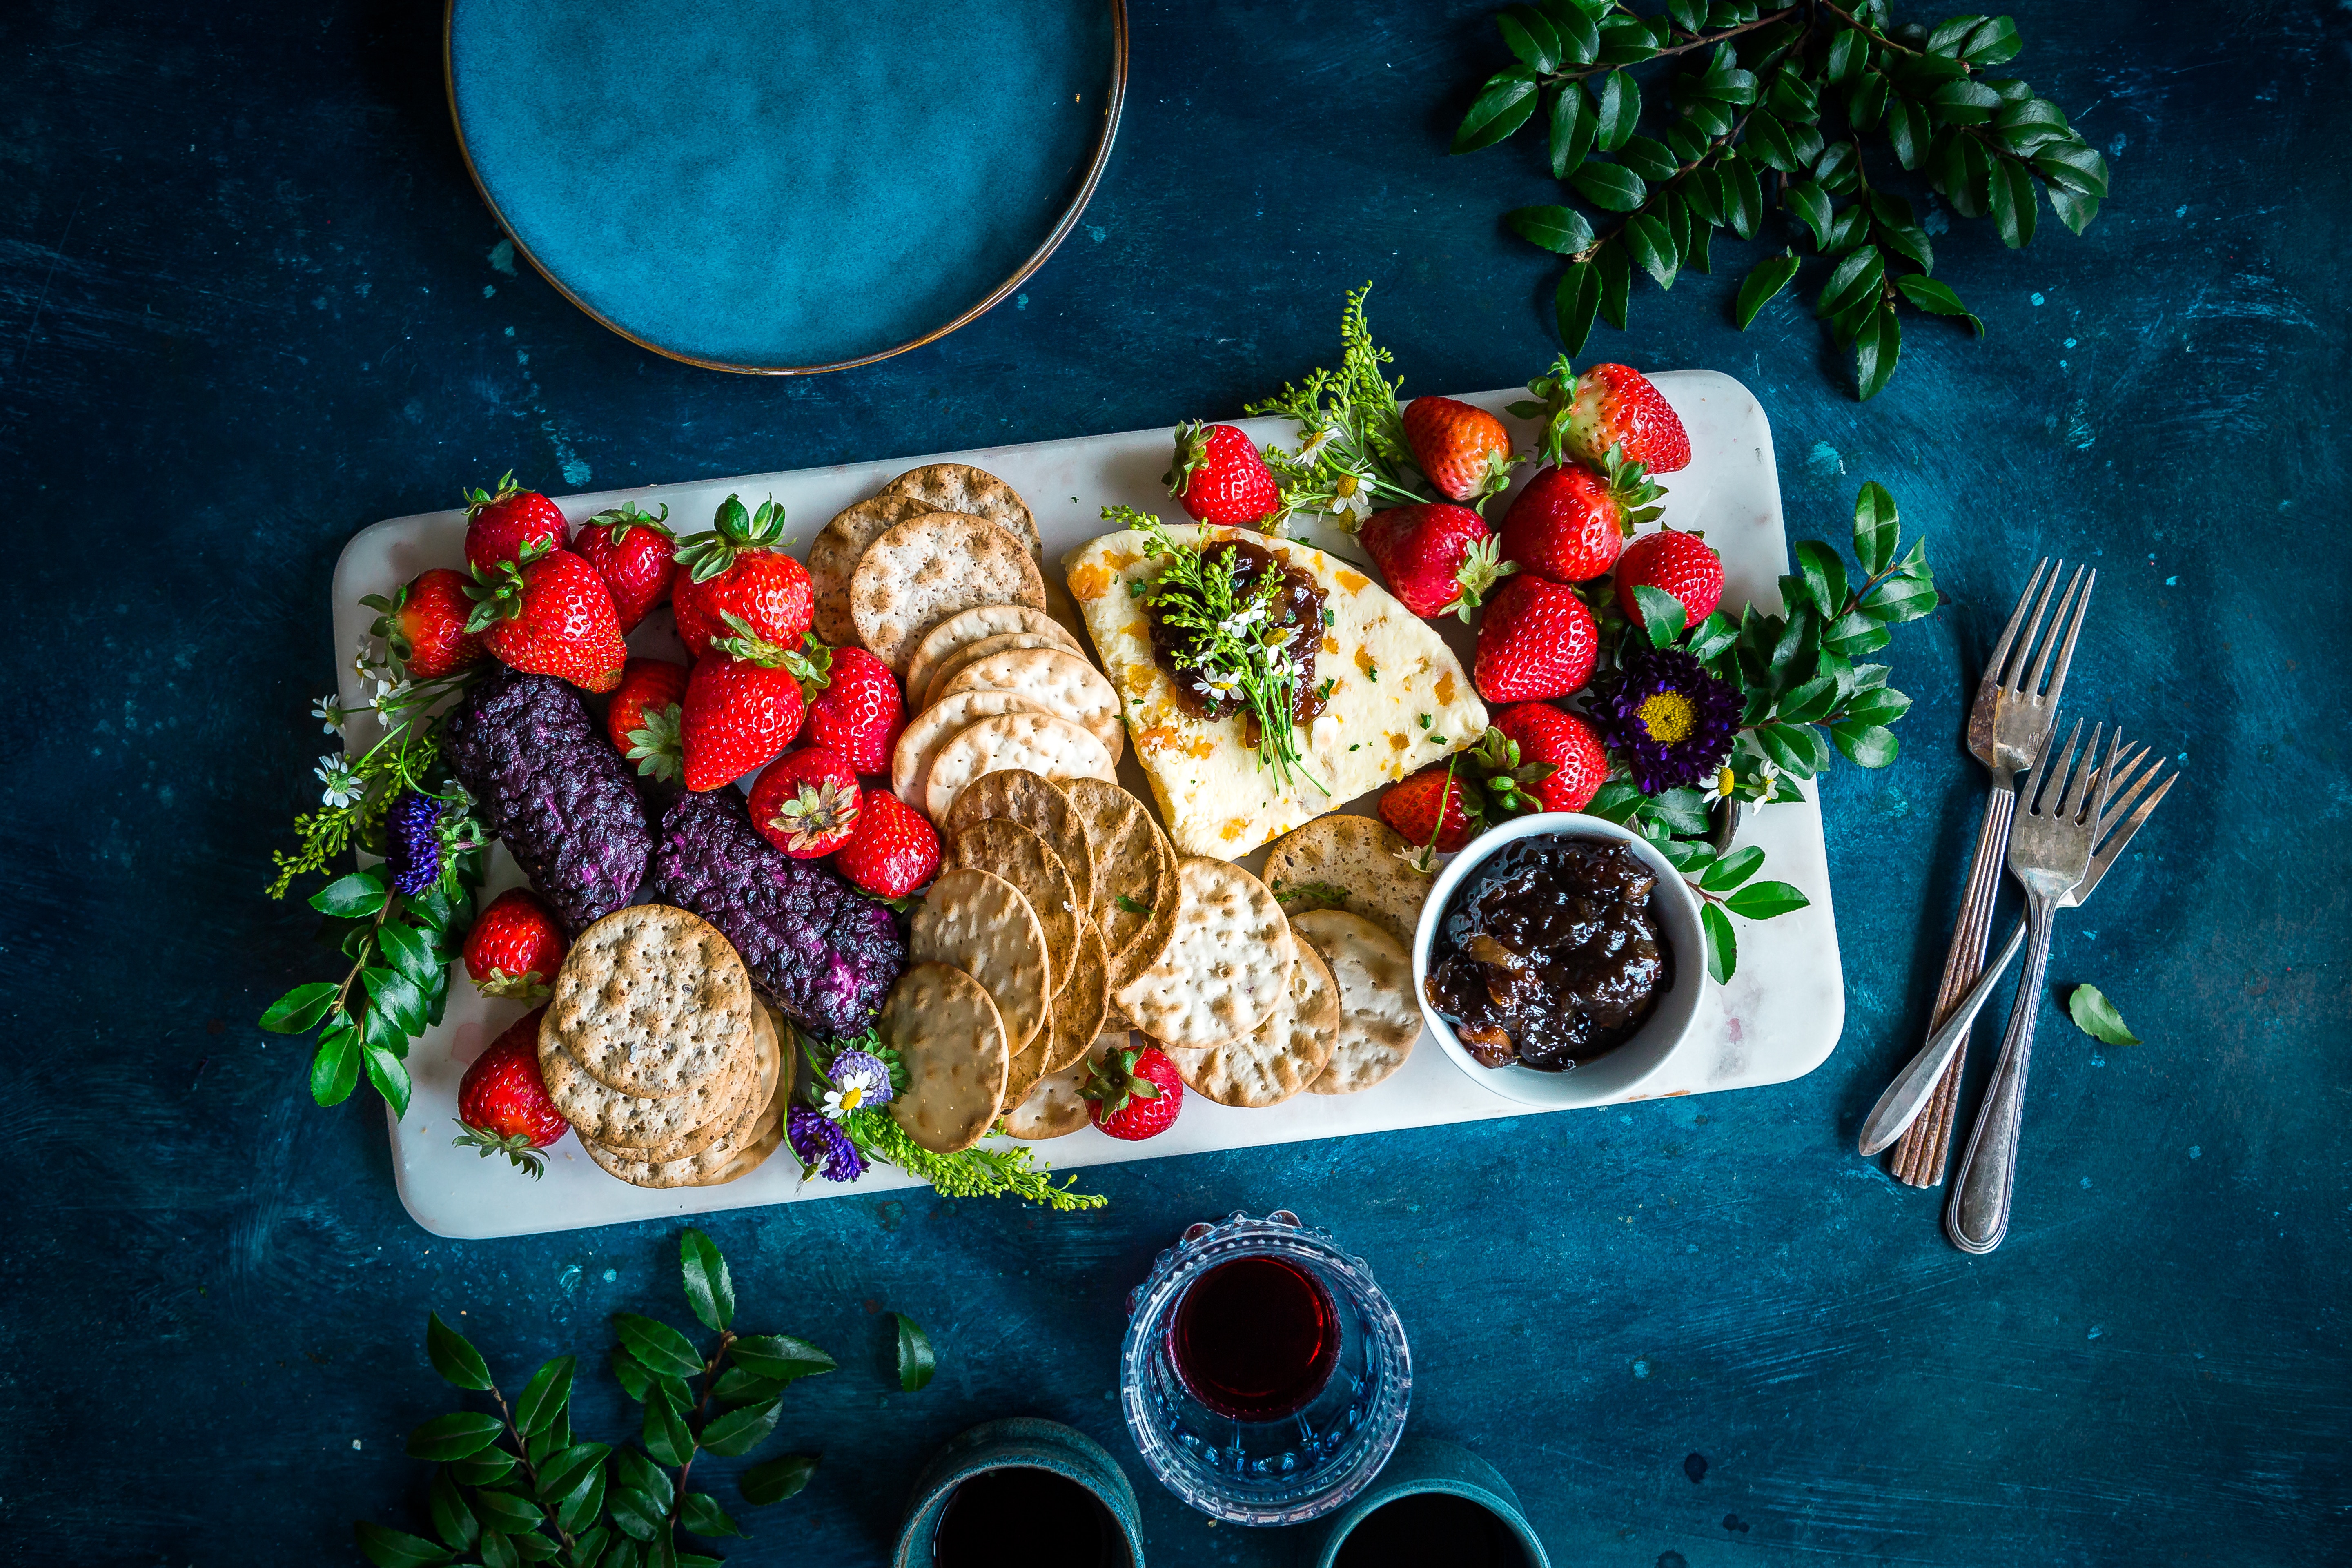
{"type": "Point", "coordinates": [532, 1548]}
{"type": "Point", "coordinates": [635, 1513]}
{"type": "Point", "coordinates": [507, 1513]}
{"type": "Point", "coordinates": [1866, 745]}
{"type": "Point", "coordinates": [585, 1500]}
{"type": "Point", "coordinates": [666, 1436]}
{"type": "Point", "coordinates": [2096, 1017]}
{"type": "Point", "coordinates": [1501, 106]}
{"type": "Point", "coordinates": [352, 897]}
{"type": "Point", "coordinates": [411, 953]}
{"type": "Point", "coordinates": [1855, 279]}
{"type": "Point", "coordinates": [1649, 158]}
{"type": "Point", "coordinates": [1937, 299]}
{"type": "Point", "coordinates": [1662, 615]}
{"type": "Point", "coordinates": [395, 1548]}
{"type": "Point", "coordinates": [779, 1357]}
{"type": "Point", "coordinates": [2009, 192]}
{"type": "Point", "coordinates": [396, 997]}
{"type": "Point", "coordinates": [454, 1436]}
{"type": "Point", "coordinates": [1881, 705]}
{"type": "Point", "coordinates": [486, 1468]}
{"type": "Point", "coordinates": [1899, 598]}
{"type": "Point", "coordinates": [456, 1361]}
{"type": "Point", "coordinates": [1722, 947]}
{"type": "Point", "coordinates": [563, 1470]}
{"type": "Point", "coordinates": [1574, 306]}
{"type": "Point", "coordinates": [1732, 869]}
{"type": "Point", "coordinates": [740, 1431]}
{"type": "Point", "coordinates": [1609, 185]}
{"type": "Point", "coordinates": [776, 1479]}
{"type": "Point", "coordinates": [1711, 637]}
{"type": "Point", "coordinates": [662, 1348]}
{"type": "Point", "coordinates": [388, 1073]}
{"type": "Point", "coordinates": [498, 1551]}
{"type": "Point", "coordinates": [453, 1521]}
{"type": "Point", "coordinates": [916, 1361]}
{"type": "Point", "coordinates": [710, 1287]}
{"type": "Point", "coordinates": [1529, 34]}
{"type": "Point", "coordinates": [1678, 810]}
{"type": "Point", "coordinates": [736, 1386]}
{"type": "Point", "coordinates": [1824, 577]}
{"type": "Point", "coordinates": [1618, 106]}
{"type": "Point", "coordinates": [1616, 282]}
{"type": "Point", "coordinates": [1811, 204]}
{"type": "Point", "coordinates": [1876, 348]}
{"type": "Point", "coordinates": [1573, 124]}
{"type": "Point", "coordinates": [1555, 228]}
{"type": "Point", "coordinates": [1580, 37]}
{"type": "Point", "coordinates": [632, 1375]}
{"type": "Point", "coordinates": [1848, 53]}
{"type": "Point", "coordinates": [1764, 281]}
{"type": "Point", "coordinates": [544, 1396]}
{"type": "Point", "coordinates": [1768, 142]}
{"type": "Point", "coordinates": [1762, 900]}
{"type": "Point", "coordinates": [702, 1514]}
{"type": "Point", "coordinates": [1810, 701]}
{"type": "Point", "coordinates": [1876, 527]}
{"type": "Point", "coordinates": [299, 1011]}
{"type": "Point", "coordinates": [1652, 248]}
{"type": "Point", "coordinates": [638, 1473]}
{"type": "Point", "coordinates": [335, 1069]}
{"type": "Point", "coordinates": [1743, 196]}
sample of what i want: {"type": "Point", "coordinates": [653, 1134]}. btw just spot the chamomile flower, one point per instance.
{"type": "Point", "coordinates": [1310, 449]}
{"type": "Point", "coordinates": [1721, 785]}
{"type": "Point", "coordinates": [392, 694]}
{"type": "Point", "coordinates": [1351, 497]}
{"type": "Point", "coordinates": [330, 713]}
{"type": "Point", "coordinates": [343, 788]}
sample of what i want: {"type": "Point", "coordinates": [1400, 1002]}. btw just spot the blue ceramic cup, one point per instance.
{"type": "Point", "coordinates": [1427, 1464]}
{"type": "Point", "coordinates": [1016, 1440]}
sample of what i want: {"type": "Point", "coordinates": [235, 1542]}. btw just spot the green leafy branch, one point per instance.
{"type": "Point", "coordinates": [1800, 92]}
{"type": "Point", "coordinates": [518, 1487]}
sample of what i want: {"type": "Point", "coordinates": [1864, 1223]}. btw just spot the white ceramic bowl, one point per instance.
{"type": "Point", "coordinates": [1623, 1069]}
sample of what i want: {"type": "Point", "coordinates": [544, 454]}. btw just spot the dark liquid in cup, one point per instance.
{"type": "Point", "coordinates": [1255, 1338]}
{"type": "Point", "coordinates": [1023, 1517]}
{"type": "Point", "coordinates": [1430, 1528]}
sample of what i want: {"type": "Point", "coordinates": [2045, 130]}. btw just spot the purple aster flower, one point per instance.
{"type": "Point", "coordinates": [860, 1081]}
{"type": "Point", "coordinates": [823, 1148]}
{"type": "Point", "coordinates": [411, 842]}
{"type": "Point", "coordinates": [1666, 719]}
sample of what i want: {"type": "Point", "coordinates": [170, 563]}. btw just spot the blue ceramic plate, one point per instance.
{"type": "Point", "coordinates": [789, 186]}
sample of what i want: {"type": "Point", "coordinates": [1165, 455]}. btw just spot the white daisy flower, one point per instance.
{"type": "Point", "coordinates": [1768, 779]}
{"type": "Point", "coordinates": [1351, 495]}
{"type": "Point", "coordinates": [840, 1102]}
{"type": "Point", "coordinates": [1721, 785]}
{"type": "Point", "coordinates": [1311, 448]}
{"type": "Point", "coordinates": [329, 712]}
{"type": "Point", "coordinates": [341, 788]}
{"type": "Point", "coordinates": [391, 694]}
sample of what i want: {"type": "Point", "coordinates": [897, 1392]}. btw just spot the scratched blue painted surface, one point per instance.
{"type": "Point", "coordinates": [248, 303]}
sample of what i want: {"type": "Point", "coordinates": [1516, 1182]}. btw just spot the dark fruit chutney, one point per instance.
{"type": "Point", "coordinates": [1549, 954]}
{"type": "Point", "coordinates": [1297, 609]}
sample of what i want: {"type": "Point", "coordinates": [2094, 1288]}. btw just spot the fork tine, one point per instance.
{"type": "Point", "coordinates": [1994, 667]}
{"type": "Point", "coordinates": [2049, 792]}
{"type": "Point", "coordinates": [2106, 855]}
{"type": "Point", "coordinates": [2032, 685]}
{"type": "Point", "coordinates": [2130, 780]}
{"type": "Point", "coordinates": [2080, 784]}
{"type": "Point", "coordinates": [2014, 670]}
{"type": "Point", "coordinates": [2074, 629]}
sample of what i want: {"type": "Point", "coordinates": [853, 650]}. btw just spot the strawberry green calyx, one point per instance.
{"type": "Point", "coordinates": [1557, 389]}
{"type": "Point", "coordinates": [476, 499]}
{"type": "Point", "coordinates": [626, 517]}
{"type": "Point", "coordinates": [1482, 568]}
{"type": "Point", "coordinates": [1114, 1082]}
{"type": "Point", "coordinates": [657, 747]}
{"type": "Point", "coordinates": [1192, 455]}
{"type": "Point", "coordinates": [811, 663]}
{"type": "Point", "coordinates": [734, 530]}
{"type": "Point", "coordinates": [515, 1146]}
{"type": "Point", "coordinates": [1503, 778]}
{"type": "Point", "coordinates": [1636, 494]}
{"type": "Point", "coordinates": [496, 592]}
{"type": "Point", "coordinates": [815, 813]}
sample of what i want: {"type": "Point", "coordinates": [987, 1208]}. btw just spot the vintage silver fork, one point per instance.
{"type": "Point", "coordinates": [1908, 1094]}
{"type": "Point", "coordinates": [2050, 855]}
{"type": "Point", "coordinates": [2009, 725]}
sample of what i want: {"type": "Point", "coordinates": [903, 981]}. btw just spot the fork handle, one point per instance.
{"type": "Point", "coordinates": [1977, 1216]}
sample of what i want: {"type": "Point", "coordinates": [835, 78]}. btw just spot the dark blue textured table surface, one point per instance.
{"type": "Point", "coordinates": [250, 302]}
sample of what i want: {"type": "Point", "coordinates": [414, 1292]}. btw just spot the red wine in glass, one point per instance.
{"type": "Point", "coordinates": [1021, 1516]}
{"type": "Point", "coordinates": [1255, 1338]}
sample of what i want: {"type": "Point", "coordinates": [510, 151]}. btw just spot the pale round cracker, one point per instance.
{"type": "Point", "coordinates": [952, 1042]}
{"type": "Point", "coordinates": [919, 741]}
{"type": "Point", "coordinates": [1080, 1008]}
{"type": "Point", "coordinates": [1350, 863]}
{"type": "Point", "coordinates": [618, 1120]}
{"type": "Point", "coordinates": [1009, 850]}
{"type": "Point", "coordinates": [1281, 1056]}
{"type": "Point", "coordinates": [764, 1055]}
{"type": "Point", "coordinates": [960, 486]}
{"type": "Point", "coordinates": [737, 1153]}
{"type": "Point", "coordinates": [1037, 804]}
{"type": "Point", "coordinates": [1054, 748]}
{"type": "Point", "coordinates": [1055, 1109]}
{"type": "Point", "coordinates": [926, 569]}
{"type": "Point", "coordinates": [1227, 967]}
{"type": "Point", "coordinates": [1134, 861]}
{"type": "Point", "coordinates": [936, 687]}
{"type": "Point", "coordinates": [839, 545]}
{"type": "Point", "coordinates": [1379, 1020]}
{"type": "Point", "coordinates": [966, 628]}
{"type": "Point", "coordinates": [981, 924]}
{"type": "Point", "coordinates": [1062, 680]}
{"type": "Point", "coordinates": [651, 1001]}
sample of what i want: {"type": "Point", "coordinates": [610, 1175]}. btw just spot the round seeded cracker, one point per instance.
{"type": "Point", "coordinates": [1009, 850]}
{"type": "Point", "coordinates": [1351, 863]}
{"type": "Point", "coordinates": [839, 547]}
{"type": "Point", "coordinates": [1379, 1020]}
{"type": "Point", "coordinates": [952, 1042]}
{"type": "Point", "coordinates": [1079, 1010]}
{"type": "Point", "coordinates": [1135, 890]}
{"type": "Point", "coordinates": [1281, 1056]}
{"type": "Point", "coordinates": [764, 1059]}
{"type": "Point", "coordinates": [617, 1121]}
{"type": "Point", "coordinates": [1037, 804]}
{"type": "Point", "coordinates": [1056, 748]}
{"type": "Point", "coordinates": [1061, 681]}
{"type": "Point", "coordinates": [978, 623]}
{"type": "Point", "coordinates": [1055, 1109]}
{"type": "Point", "coordinates": [1227, 966]}
{"type": "Point", "coordinates": [981, 924]}
{"type": "Point", "coordinates": [919, 741]}
{"type": "Point", "coordinates": [651, 1001]}
{"type": "Point", "coordinates": [960, 486]}
{"type": "Point", "coordinates": [929, 567]}
{"type": "Point", "coordinates": [948, 667]}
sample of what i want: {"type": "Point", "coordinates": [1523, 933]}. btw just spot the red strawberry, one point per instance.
{"type": "Point", "coordinates": [551, 615]}
{"type": "Point", "coordinates": [1611, 406]}
{"type": "Point", "coordinates": [642, 723]}
{"type": "Point", "coordinates": [1437, 557]}
{"type": "Point", "coordinates": [1549, 736]}
{"type": "Point", "coordinates": [1134, 1094]}
{"type": "Point", "coordinates": [743, 705]}
{"type": "Point", "coordinates": [805, 803]}
{"type": "Point", "coordinates": [515, 947]}
{"type": "Point", "coordinates": [633, 553]}
{"type": "Point", "coordinates": [1571, 520]}
{"type": "Point", "coordinates": [499, 528]}
{"type": "Point", "coordinates": [892, 851]}
{"type": "Point", "coordinates": [1681, 564]}
{"type": "Point", "coordinates": [1465, 451]}
{"type": "Point", "coordinates": [1434, 808]}
{"type": "Point", "coordinates": [502, 1103]}
{"type": "Point", "coordinates": [423, 625]}
{"type": "Point", "coordinates": [858, 713]}
{"type": "Point", "coordinates": [1219, 477]}
{"type": "Point", "coordinates": [1538, 640]}
{"type": "Point", "coordinates": [741, 569]}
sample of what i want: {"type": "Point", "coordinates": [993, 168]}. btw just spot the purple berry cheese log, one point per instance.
{"type": "Point", "coordinates": [815, 948]}
{"type": "Point", "coordinates": [547, 783]}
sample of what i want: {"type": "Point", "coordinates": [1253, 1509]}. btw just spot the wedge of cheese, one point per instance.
{"type": "Point", "coordinates": [1400, 700]}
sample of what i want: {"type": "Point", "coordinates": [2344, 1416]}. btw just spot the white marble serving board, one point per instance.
{"type": "Point", "coordinates": [1778, 1019]}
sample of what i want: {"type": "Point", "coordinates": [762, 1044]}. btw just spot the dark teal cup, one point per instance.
{"type": "Point", "coordinates": [1427, 1464]}
{"type": "Point", "coordinates": [1016, 1440]}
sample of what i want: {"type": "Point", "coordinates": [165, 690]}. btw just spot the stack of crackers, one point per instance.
{"type": "Point", "coordinates": [1051, 896]}
{"type": "Point", "coordinates": [658, 1052]}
